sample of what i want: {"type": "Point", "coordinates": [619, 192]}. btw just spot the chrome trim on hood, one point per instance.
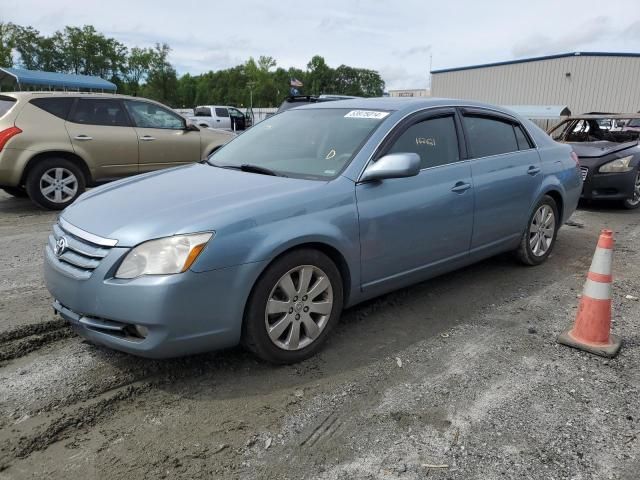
{"type": "Point", "coordinates": [89, 237]}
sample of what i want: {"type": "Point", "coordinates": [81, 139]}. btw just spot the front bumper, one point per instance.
{"type": "Point", "coordinates": [608, 186]}
{"type": "Point", "coordinates": [184, 314]}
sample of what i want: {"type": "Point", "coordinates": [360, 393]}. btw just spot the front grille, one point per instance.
{"type": "Point", "coordinates": [80, 257]}
{"type": "Point", "coordinates": [585, 172]}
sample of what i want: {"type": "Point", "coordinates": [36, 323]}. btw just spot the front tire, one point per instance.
{"type": "Point", "coordinates": [633, 202]}
{"type": "Point", "coordinates": [539, 238]}
{"type": "Point", "coordinates": [55, 183]}
{"type": "Point", "coordinates": [293, 307]}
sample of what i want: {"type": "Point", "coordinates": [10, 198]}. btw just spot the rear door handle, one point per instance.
{"type": "Point", "coordinates": [82, 137]}
{"type": "Point", "coordinates": [533, 170]}
{"type": "Point", "coordinates": [147, 138]}
{"type": "Point", "coordinates": [461, 187]}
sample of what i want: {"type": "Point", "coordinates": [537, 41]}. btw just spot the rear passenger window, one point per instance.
{"type": "Point", "coordinates": [6, 104]}
{"type": "Point", "coordinates": [435, 140]}
{"type": "Point", "coordinates": [59, 106]}
{"type": "Point", "coordinates": [488, 136]}
{"type": "Point", "coordinates": [98, 111]}
{"type": "Point", "coordinates": [522, 139]}
{"type": "Point", "coordinates": [221, 112]}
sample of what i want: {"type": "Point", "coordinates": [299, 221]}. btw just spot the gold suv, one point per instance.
{"type": "Point", "coordinates": [55, 144]}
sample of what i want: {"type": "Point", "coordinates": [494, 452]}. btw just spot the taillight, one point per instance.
{"type": "Point", "coordinates": [574, 157]}
{"type": "Point", "coordinates": [6, 134]}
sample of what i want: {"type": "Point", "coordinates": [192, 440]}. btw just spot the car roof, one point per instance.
{"type": "Point", "coordinates": [404, 104]}
{"type": "Point", "coordinates": [44, 94]}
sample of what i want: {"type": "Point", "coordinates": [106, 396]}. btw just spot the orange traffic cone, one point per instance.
{"type": "Point", "coordinates": [591, 331]}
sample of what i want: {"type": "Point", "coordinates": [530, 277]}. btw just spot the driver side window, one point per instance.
{"type": "Point", "coordinates": [435, 140]}
{"type": "Point", "coordinates": [149, 115]}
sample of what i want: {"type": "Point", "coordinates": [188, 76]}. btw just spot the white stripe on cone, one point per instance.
{"type": "Point", "coordinates": [597, 290]}
{"type": "Point", "coordinates": [602, 261]}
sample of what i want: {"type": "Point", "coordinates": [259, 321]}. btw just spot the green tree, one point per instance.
{"type": "Point", "coordinates": [162, 81]}
{"type": "Point", "coordinates": [7, 44]}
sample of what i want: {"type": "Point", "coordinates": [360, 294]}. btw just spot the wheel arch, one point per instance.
{"type": "Point", "coordinates": [72, 157]}
{"type": "Point", "coordinates": [558, 198]}
{"type": "Point", "coordinates": [329, 250]}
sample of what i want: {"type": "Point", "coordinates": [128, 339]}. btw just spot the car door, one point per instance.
{"type": "Point", "coordinates": [507, 176]}
{"type": "Point", "coordinates": [410, 228]}
{"type": "Point", "coordinates": [237, 119]}
{"type": "Point", "coordinates": [221, 118]}
{"type": "Point", "coordinates": [163, 138]}
{"type": "Point", "coordinates": [102, 135]}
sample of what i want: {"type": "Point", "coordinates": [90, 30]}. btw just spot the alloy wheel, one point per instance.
{"type": "Point", "coordinates": [58, 185]}
{"type": "Point", "coordinates": [298, 307]}
{"type": "Point", "coordinates": [542, 230]}
{"type": "Point", "coordinates": [635, 198]}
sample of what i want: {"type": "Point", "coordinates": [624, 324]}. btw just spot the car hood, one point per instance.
{"type": "Point", "coordinates": [600, 148]}
{"type": "Point", "coordinates": [187, 199]}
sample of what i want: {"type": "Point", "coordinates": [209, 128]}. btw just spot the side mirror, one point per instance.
{"type": "Point", "coordinates": [394, 165]}
{"type": "Point", "coordinates": [190, 127]}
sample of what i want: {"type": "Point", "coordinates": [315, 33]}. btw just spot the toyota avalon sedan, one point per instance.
{"type": "Point", "coordinates": [312, 210]}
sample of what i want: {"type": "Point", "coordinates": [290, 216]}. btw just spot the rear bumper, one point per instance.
{"type": "Point", "coordinates": [608, 186]}
{"type": "Point", "coordinates": [184, 314]}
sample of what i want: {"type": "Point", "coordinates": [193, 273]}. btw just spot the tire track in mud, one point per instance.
{"type": "Point", "coordinates": [33, 434]}
{"type": "Point", "coordinates": [25, 339]}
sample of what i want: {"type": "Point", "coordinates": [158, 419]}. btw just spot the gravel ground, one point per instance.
{"type": "Point", "coordinates": [459, 377]}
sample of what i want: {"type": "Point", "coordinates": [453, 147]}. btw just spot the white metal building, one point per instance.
{"type": "Point", "coordinates": [584, 81]}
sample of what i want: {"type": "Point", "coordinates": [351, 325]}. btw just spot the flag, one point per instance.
{"type": "Point", "coordinates": [295, 83]}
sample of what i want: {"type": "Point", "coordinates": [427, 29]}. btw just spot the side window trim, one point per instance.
{"type": "Point", "coordinates": [408, 121]}
{"type": "Point", "coordinates": [414, 119]}
{"type": "Point", "coordinates": [490, 115]}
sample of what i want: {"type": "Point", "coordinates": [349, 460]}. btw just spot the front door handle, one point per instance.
{"type": "Point", "coordinates": [533, 170]}
{"type": "Point", "coordinates": [147, 138]}
{"type": "Point", "coordinates": [217, 120]}
{"type": "Point", "coordinates": [82, 137]}
{"type": "Point", "coordinates": [461, 187]}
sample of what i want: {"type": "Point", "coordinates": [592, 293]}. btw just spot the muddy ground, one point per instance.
{"type": "Point", "coordinates": [458, 378]}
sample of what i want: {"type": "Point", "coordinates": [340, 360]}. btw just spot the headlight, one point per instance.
{"type": "Point", "coordinates": [620, 165]}
{"type": "Point", "coordinates": [164, 256]}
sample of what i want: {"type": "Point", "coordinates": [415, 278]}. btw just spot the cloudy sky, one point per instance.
{"type": "Point", "coordinates": [395, 37]}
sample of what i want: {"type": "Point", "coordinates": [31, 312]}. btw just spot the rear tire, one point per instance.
{"type": "Point", "coordinates": [634, 201]}
{"type": "Point", "coordinates": [540, 235]}
{"type": "Point", "coordinates": [288, 319]}
{"type": "Point", "coordinates": [17, 192]}
{"type": "Point", "coordinates": [54, 183]}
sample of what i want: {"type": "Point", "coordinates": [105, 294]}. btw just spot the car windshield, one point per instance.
{"type": "Point", "coordinates": [308, 143]}
{"type": "Point", "coordinates": [595, 129]}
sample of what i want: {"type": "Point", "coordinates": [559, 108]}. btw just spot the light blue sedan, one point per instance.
{"type": "Point", "coordinates": [312, 210]}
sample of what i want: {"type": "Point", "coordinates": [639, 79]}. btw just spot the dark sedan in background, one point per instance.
{"type": "Point", "coordinates": [609, 155]}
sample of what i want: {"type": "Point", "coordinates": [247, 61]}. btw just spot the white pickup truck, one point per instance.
{"type": "Point", "coordinates": [216, 116]}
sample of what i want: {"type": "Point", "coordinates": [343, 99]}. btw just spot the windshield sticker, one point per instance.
{"type": "Point", "coordinates": [329, 172]}
{"type": "Point", "coordinates": [366, 114]}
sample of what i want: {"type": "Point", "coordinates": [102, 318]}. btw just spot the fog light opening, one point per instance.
{"type": "Point", "coordinates": [141, 331]}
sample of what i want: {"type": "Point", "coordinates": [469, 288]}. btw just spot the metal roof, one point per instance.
{"type": "Point", "coordinates": [537, 59]}
{"type": "Point", "coordinates": [540, 112]}
{"type": "Point", "coordinates": [21, 78]}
